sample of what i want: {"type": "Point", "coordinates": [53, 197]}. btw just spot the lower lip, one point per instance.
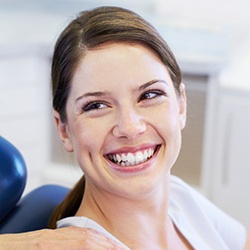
{"type": "Point", "coordinates": [135, 168]}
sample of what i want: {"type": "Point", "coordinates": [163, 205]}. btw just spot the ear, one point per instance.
{"type": "Point", "coordinates": [63, 132]}
{"type": "Point", "coordinates": [183, 106]}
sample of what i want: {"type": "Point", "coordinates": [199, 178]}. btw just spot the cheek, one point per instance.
{"type": "Point", "coordinates": [166, 119]}
{"type": "Point", "coordinates": [88, 141]}
{"type": "Point", "coordinates": [89, 137]}
{"type": "Point", "coordinates": [170, 131]}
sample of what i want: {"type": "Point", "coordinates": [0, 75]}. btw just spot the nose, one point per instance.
{"type": "Point", "coordinates": [129, 124]}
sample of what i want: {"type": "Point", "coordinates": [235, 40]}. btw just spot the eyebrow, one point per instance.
{"type": "Point", "coordinates": [104, 93]}
{"type": "Point", "coordinates": [97, 93]}
{"type": "Point", "coordinates": [147, 84]}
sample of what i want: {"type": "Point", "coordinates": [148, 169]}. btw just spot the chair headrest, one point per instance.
{"type": "Point", "coordinates": [13, 175]}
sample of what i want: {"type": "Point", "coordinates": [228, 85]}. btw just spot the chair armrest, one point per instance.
{"type": "Point", "coordinates": [34, 210]}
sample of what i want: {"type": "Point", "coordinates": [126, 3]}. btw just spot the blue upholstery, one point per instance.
{"type": "Point", "coordinates": [33, 211]}
{"type": "Point", "coordinates": [13, 176]}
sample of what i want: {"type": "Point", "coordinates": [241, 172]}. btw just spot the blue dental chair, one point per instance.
{"type": "Point", "coordinates": [31, 212]}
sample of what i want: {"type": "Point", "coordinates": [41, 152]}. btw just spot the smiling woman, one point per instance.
{"type": "Point", "coordinates": [120, 106]}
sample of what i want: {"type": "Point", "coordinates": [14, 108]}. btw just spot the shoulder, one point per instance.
{"type": "Point", "coordinates": [200, 213]}
{"type": "Point", "coordinates": [181, 191]}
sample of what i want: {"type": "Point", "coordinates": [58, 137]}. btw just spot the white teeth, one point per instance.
{"type": "Point", "coordinates": [124, 158]}
{"type": "Point", "coordinates": [151, 152]}
{"type": "Point", "coordinates": [132, 159]}
{"type": "Point", "coordinates": [118, 158]}
{"type": "Point", "coordinates": [139, 157]}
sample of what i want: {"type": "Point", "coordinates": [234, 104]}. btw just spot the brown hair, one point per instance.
{"type": "Point", "coordinates": [87, 31]}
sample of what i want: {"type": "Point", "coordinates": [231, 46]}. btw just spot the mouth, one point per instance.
{"type": "Point", "coordinates": [133, 158]}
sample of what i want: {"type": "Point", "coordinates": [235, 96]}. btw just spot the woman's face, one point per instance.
{"type": "Point", "coordinates": [124, 119]}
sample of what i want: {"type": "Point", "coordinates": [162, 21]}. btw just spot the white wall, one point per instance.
{"type": "Point", "coordinates": [213, 12]}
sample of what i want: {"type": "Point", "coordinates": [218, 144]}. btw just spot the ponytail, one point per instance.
{"type": "Point", "coordinates": [69, 205]}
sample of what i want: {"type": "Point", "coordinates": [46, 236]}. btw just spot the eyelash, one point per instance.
{"type": "Point", "coordinates": [91, 106]}
{"type": "Point", "coordinates": [156, 94]}
{"type": "Point", "coordinates": [95, 105]}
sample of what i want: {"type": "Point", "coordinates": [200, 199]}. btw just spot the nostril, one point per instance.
{"type": "Point", "coordinates": [129, 123]}
{"type": "Point", "coordinates": [129, 129]}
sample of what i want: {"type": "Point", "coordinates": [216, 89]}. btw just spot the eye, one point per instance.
{"type": "Point", "coordinates": [151, 94]}
{"type": "Point", "coordinates": [92, 106]}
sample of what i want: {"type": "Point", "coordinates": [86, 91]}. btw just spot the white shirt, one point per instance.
{"type": "Point", "coordinates": [204, 225]}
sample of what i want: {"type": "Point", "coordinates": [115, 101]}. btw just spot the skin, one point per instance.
{"type": "Point", "coordinates": [64, 238]}
{"type": "Point", "coordinates": [128, 106]}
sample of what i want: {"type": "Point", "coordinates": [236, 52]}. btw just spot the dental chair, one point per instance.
{"type": "Point", "coordinates": [31, 212]}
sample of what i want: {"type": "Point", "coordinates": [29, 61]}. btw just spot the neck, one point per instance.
{"type": "Point", "coordinates": [147, 215]}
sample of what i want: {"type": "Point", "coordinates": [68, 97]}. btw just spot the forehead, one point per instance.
{"type": "Point", "coordinates": [115, 61]}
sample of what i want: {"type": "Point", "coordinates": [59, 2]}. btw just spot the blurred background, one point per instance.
{"type": "Point", "coordinates": [211, 40]}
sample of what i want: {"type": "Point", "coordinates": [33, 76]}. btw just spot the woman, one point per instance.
{"type": "Point", "coordinates": [120, 105]}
